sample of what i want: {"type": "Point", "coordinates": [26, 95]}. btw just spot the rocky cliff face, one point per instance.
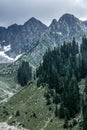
{"type": "Point", "coordinates": [22, 38]}
{"type": "Point", "coordinates": [28, 36]}
{"type": "Point", "coordinates": [67, 27]}
{"type": "Point", "coordinates": [34, 37]}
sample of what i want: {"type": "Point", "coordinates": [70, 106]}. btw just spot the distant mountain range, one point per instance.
{"type": "Point", "coordinates": [34, 37]}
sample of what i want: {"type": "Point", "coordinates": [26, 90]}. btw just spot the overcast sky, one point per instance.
{"type": "Point", "coordinates": [19, 11]}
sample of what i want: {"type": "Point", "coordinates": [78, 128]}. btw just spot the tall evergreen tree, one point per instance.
{"type": "Point", "coordinates": [24, 73]}
{"type": "Point", "coordinates": [85, 106]}
{"type": "Point", "coordinates": [85, 113]}
{"type": "Point", "coordinates": [84, 57]}
{"type": "Point", "coordinates": [61, 72]}
{"type": "Point", "coordinates": [74, 97]}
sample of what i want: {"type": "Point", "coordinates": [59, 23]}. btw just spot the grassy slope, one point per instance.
{"type": "Point", "coordinates": [8, 85]}
{"type": "Point", "coordinates": [8, 81]}
{"type": "Point", "coordinates": [8, 78]}
{"type": "Point", "coordinates": [28, 101]}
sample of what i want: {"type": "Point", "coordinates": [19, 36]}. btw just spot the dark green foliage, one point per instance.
{"type": "Point", "coordinates": [84, 45]}
{"type": "Point", "coordinates": [50, 109]}
{"type": "Point", "coordinates": [34, 115]}
{"type": "Point", "coordinates": [55, 64]}
{"type": "Point", "coordinates": [47, 95]}
{"type": "Point", "coordinates": [5, 112]}
{"type": "Point", "coordinates": [84, 64]}
{"type": "Point", "coordinates": [61, 111]}
{"type": "Point", "coordinates": [38, 83]}
{"type": "Point", "coordinates": [56, 99]}
{"type": "Point", "coordinates": [70, 126]}
{"type": "Point", "coordinates": [85, 85]}
{"type": "Point", "coordinates": [66, 118]}
{"type": "Point", "coordinates": [62, 70]}
{"type": "Point", "coordinates": [56, 111]}
{"type": "Point", "coordinates": [48, 101]}
{"type": "Point", "coordinates": [24, 73]}
{"type": "Point", "coordinates": [84, 104]}
{"type": "Point", "coordinates": [85, 114]}
{"type": "Point", "coordinates": [75, 122]}
{"type": "Point", "coordinates": [84, 57]}
{"type": "Point", "coordinates": [75, 49]}
{"type": "Point", "coordinates": [83, 72]}
{"type": "Point", "coordinates": [17, 113]}
{"type": "Point", "coordinates": [66, 113]}
{"type": "Point", "coordinates": [71, 97]}
{"type": "Point", "coordinates": [65, 126]}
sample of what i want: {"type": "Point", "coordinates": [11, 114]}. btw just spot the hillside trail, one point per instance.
{"type": "Point", "coordinates": [46, 124]}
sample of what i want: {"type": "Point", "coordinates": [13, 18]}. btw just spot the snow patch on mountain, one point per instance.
{"type": "Point", "coordinates": [4, 58]}
{"type": "Point", "coordinates": [59, 33]}
{"type": "Point", "coordinates": [17, 57]}
{"type": "Point", "coordinates": [2, 54]}
{"type": "Point", "coordinates": [7, 48]}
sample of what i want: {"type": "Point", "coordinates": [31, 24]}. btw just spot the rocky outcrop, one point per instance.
{"type": "Point", "coordinates": [33, 38]}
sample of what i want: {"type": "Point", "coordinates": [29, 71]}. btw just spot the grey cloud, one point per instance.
{"type": "Point", "coordinates": [19, 11]}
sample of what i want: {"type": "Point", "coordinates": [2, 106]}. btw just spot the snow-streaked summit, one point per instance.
{"type": "Point", "coordinates": [25, 39]}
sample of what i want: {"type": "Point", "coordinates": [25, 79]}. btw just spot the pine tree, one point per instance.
{"type": "Point", "coordinates": [24, 73]}
{"type": "Point", "coordinates": [70, 96]}
{"type": "Point", "coordinates": [61, 111]}
{"type": "Point", "coordinates": [84, 57]}
{"type": "Point", "coordinates": [75, 48]}
{"type": "Point", "coordinates": [65, 122]}
{"type": "Point", "coordinates": [73, 97]}
{"type": "Point", "coordinates": [56, 99]}
{"type": "Point", "coordinates": [85, 114]}
{"type": "Point", "coordinates": [61, 72]}
{"type": "Point", "coordinates": [84, 106]}
{"type": "Point", "coordinates": [56, 111]}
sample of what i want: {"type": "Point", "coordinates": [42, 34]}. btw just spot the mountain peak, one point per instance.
{"type": "Point", "coordinates": [35, 22]}
{"type": "Point", "coordinates": [32, 20]}
{"type": "Point", "coordinates": [69, 24]}
{"type": "Point", "coordinates": [69, 19]}
{"type": "Point", "coordinates": [54, 24]}
{"type": "Point", "coordinates": [54, 21]}
{"type": "Point", "coordinates": [68, 15]}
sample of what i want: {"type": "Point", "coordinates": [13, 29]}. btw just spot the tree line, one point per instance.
{"type": "Point", "coordinates": [24, 73]}
{"type": "Point", "coordinates": [62, 69]}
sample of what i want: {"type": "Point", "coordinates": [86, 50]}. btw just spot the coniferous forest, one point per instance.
{"type": "Point", "coordinates": [62, 69]}
{"type": "Point", "coordinates": [43, 65]}
{"type": "Point", "coordinates": [24, 73]}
